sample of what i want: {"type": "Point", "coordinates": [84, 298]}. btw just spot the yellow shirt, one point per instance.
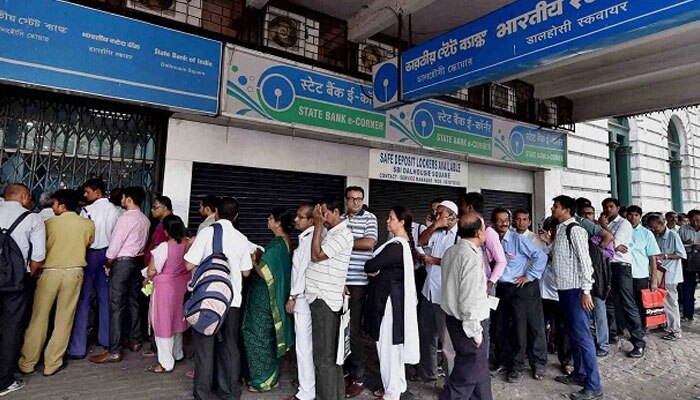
{"type": "Point", "coordinates": [68, 237]}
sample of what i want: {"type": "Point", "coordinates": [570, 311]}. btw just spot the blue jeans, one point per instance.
{"type": "Point", "coordinates": [577, 323]}
{"type": "Point", "coordinates": [601, 324]}
{"type": "Point", "coordinates": [94, 278]}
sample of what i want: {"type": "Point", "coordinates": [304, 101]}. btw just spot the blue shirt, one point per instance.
{"type": "Point", "coordinates": [642, 247]}
{"type": "Point", "coordinates": [670, 243]}
{"type": "Point", "coordinates": [522, 258]}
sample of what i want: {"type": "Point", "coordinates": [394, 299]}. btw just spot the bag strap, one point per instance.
{"type": "Point", "coordinates": [17, 222]}
{"type": "Point", "coordinates": [217, 241]}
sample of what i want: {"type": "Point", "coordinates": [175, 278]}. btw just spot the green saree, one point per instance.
{"type": "Point", "coordinates": [267, 328]}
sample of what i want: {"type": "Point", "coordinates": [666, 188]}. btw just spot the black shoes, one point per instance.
{"type": "Point", "coordinates": [586, 394]}
{"type": "Point", "coordinates": [637, 352]}
{"type": "Point", "coordinates": [515, 377]}
{"type": "Point", "coordinates": [569, 380]}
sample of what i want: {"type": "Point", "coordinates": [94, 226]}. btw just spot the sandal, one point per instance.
{"type": "Point", "coordinates": [148, 353]}
{"type": "Point", "coordinates": [158, 369]}
{"type": "Point", "coordinates": [538, 375]}
{"type": "Point", "coordinates": [379, 393]}
{"type": "Point", "coordinates": [190, 374]}
{"type": "Point", "coordinates": [254, 390]}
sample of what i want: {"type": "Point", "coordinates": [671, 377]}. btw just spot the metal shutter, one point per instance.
{"type": "Point", "coordinates": [257, 191]}
{"type": "Point", "coordinates": [510, 200]}
{"type": "Point", "coordinates": [415, 197]}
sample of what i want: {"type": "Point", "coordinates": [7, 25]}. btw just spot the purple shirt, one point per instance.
{"type": "Point", "coordinates": [129, 235]}
{"type": "Point", "coordinates": [493, 255]}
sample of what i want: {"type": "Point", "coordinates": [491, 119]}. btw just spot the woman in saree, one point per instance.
{"type": "Point", "coordinates": [267, 328]}
{"type": "Point", "coordinates": [392, 319]}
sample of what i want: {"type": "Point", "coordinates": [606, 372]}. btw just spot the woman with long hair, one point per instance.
{"type": "Point", "coordinates": [392, 319]}
{"type": "Point", "coordinates": [167, 271]}
{"type": "Point", "coordinates": [267, 328]}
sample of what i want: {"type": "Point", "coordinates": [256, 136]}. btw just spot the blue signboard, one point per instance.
{"type": "Point", "coordinates": [530, 33]}
{"type": "Point", "coordinates": [66, 46]}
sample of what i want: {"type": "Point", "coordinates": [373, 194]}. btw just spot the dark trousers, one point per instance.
{"type": "Point", "coordinates": [637, 285]}
{"type": "Point", "coordinates": [470, 379]}
{"type": "Point", "coordinates": [355, 363]}
{"type": "Point", "coordinates": [578, 322]}
{"type": "Point", "coordinates": [217, 361]}
{"type": "Point", "coordinates": [557, 336]}
{"type": "Point", "coordinates": [94, 278]}
{"type": "Point", "coordinates": [625, 304]}
{"type": "Point", "coordinates": [124, 287]}
{"type": "Point", "coordinates": [690, 280]}
{"type": "Point", "coordinates": [520, 317]}
{"type": "Point", "coordinates": [13, 310]}
{"type": "Point", "coordinates": [329, 376]}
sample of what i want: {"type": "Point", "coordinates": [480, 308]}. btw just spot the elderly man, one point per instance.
{"type": "Point", "coordinates": [466, 305]}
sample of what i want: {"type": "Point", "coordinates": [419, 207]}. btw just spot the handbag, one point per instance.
{"type": "Point", "coordinates": [653, 304]}
{"type": "Point", "coordinates": [344, 333]}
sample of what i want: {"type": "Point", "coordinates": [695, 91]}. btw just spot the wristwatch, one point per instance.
{"type": "Point", "coordinates": [587, 292]}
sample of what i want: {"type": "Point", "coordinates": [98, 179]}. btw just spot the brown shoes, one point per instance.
{"type": "Point", "coordinates": [132, 346]}
{"type": "Point", "coordinates": [105, 357]}
{"type": "Point", "coordinates": [353, 390]}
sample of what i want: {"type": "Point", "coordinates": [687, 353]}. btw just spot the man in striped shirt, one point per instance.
{"type": "Point", "coordinates": [325, 282]}
{"type": "Point", "coordinates": [573, 277]}
{"type": "Point", "coordinates": [363, 225]}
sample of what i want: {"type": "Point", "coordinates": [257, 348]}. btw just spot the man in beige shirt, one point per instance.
{"type": "Point", "coordinates": [465, 301]}
{"type": "Point", "coordinates": [68, 237]}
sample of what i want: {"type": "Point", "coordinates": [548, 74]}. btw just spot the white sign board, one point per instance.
{"type": "Point", "coordinates": [412, 168]}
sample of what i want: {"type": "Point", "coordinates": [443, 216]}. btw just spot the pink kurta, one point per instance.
{"type": "Point", "coordinates": [169, 286]}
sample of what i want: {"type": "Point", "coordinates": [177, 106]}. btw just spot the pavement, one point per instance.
{"type": "Point", "coordinates": [670, 370]}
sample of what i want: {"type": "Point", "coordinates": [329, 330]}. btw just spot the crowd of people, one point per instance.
{"type": "Point", "coordinates": [449, 295]}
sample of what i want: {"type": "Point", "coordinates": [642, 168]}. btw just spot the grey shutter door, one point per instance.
{"type": "Point", "coordinates": [415, 197]}
{"type": "Point", "coordinates": [258, 191]}
{"type": "Point", "coordinates": [510, 200]}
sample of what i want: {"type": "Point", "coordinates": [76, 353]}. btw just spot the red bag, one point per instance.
{"type": "Point", "coordinates": [653, 304]}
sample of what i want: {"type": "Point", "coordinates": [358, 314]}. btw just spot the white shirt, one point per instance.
{"type": "Point", "coordinates": [46, 214]}
{"type": "Point", "coordinates": [325, 280]}
{"type": "Point", "coordinates": [104, 214]}
{"type": "Point", "coordinates": [622, 230]}
{"type": "Point", "coordinates": [440, 241]}
{"type": "Point", "coordinates": [548, 290]}
{"type": "Point", "coordinates": [235, 247]}
{"type": "Point", "coordinates": [300, 261]}
{"type": "Point", "coordinates": [30, 234]}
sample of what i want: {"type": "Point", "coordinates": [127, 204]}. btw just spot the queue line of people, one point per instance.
{"type": "Point", "coordinates": [482, 283]}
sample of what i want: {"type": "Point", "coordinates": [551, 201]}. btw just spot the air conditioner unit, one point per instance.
{"type": "Point", "coordinates": [291, 33]}
{"type": "Point", "coordinates": [186, 11]}
{"type": "Point", "coordinates": [371, 52]}
{"type": "Point", "coordinates": [547, 112]}
{"type": "Point", "coordinates": [502, 98]}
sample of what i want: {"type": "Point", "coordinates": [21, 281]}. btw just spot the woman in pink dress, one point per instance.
{"type": "Point", "coordinates": [167, 271]}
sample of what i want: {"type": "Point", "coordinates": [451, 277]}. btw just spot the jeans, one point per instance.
{"type": "Point", "coordinates": [600, 317]}
{"type": "Point", "coordinates": [577, 321]}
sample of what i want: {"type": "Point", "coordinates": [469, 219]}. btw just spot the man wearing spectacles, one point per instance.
{"type": "Point", "coordinates": [363, 225]}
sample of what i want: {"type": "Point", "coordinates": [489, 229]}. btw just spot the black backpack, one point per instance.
{"type": "Point", "coordinates": [12, 264]}
{"type": "Point", "coordinates": [602, 275]}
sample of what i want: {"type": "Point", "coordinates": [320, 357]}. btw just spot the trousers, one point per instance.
{"type": "Point", "coordinates": [329, 375]}
{"type": "Point", "coordinates": [54, 286]}
{"type": "Point", "coordinates": [625, 303]}
{"type": "Point", "coordinates": [217, 361]}
{"type": "Point", "coordinates": [469, 379]}
{"type": "Point", "coordinates": [13, 308]}
{"type": "Point", "coordinates": [124, 288]}
{"type": "Point", "coordinates": [356, 360]}
{"type": "Point", "coordinates": [94, 280]}
{"type": "Point", "coordinates": [304, 350]}
{"type": "Point", "coordinates": [431, 327]}
{"type": "Point", "coordinates": [577, 321]}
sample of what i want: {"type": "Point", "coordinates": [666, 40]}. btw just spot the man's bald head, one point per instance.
{"type": "Point", "coordinates": [470, 224]}
{"type": "Point", "coordinates": [19, 193]}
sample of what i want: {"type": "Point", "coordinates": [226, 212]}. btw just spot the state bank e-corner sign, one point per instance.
{"type": "Point", "coordinates": [259, 87]}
